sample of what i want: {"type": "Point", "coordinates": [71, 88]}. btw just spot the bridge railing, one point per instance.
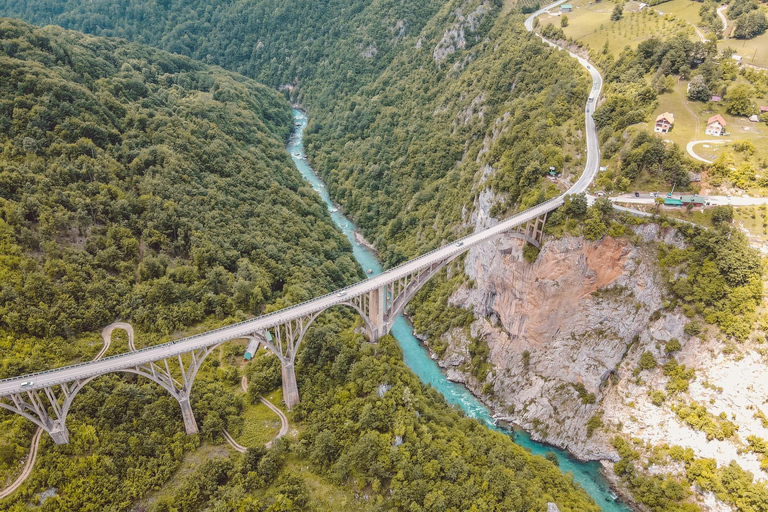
{"type": "Point", "coordinates": [552, 202]}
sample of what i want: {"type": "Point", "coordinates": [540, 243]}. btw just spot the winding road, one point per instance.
{"type": "Point", "coordinates": [106, 336]}
{"type": "Point", "coordinates": [283, 421]}
{"type": "Point", "coordinates": [689, 148]}
{"type": "Point", "coordinates": [134, 358]}
{"type": "Point", "coordinates": [720, 13]}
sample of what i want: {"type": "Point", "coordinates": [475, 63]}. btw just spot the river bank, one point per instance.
{"type": "Point", "coordinates": [416, 356]}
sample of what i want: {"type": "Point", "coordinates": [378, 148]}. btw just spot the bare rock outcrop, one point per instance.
{"type": "Point", "coordinates": [558, 329]}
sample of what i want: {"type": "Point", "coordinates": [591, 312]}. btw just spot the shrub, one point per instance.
{"type": "Point", "coordinates": [672, 345]}
{"type": "Point", "coordinates": [647, 361]}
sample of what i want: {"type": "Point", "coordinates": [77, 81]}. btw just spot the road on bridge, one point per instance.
{"type": "Point", "coordinates": [159, 352]}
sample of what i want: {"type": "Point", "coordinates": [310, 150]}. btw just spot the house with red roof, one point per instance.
{"type": "Point", "coordinates": [716, 125]}
{"type": "Point", "coordinates": [664, 122]}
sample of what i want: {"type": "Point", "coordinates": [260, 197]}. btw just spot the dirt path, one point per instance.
{"type": "Point", "coordinates": [721, 15]}
{"type": "Point", "coordinates": [106, 335]}
{"type": "Point", "coordinates": [27, 466]}
{"type": "Point", "coordinates": [283, 421]}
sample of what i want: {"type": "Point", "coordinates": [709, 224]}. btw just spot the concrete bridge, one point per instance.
{"type": "Point", "coordinates": [45, 398]}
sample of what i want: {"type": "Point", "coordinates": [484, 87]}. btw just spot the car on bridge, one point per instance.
{"type": "Point", "coordinates": [27, 383]}
{"type": "Point", "coordinates": [341, 294]}
{"type": "Point", "coordinates": [459, 244]}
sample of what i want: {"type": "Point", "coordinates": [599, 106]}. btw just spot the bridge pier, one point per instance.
{"type": "Point", "coordinates": [59, 434]}
{"type": "Point", "coordinates": [190, 425]}
{"type": "Point", "coordinates": [290, 388]}
{"type": "Point", "coordinates": [376, 308]}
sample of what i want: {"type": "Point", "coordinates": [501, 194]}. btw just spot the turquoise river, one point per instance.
{"type": "Point", "coordinates": [587, 474]}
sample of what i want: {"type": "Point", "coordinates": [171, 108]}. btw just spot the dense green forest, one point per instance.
{"type": "Point", "coordinates": [141, 185]}
{"type": "Point", "coordinates": [404, 114]}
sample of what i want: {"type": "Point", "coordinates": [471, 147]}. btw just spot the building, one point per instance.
{"type": "Point", "coordinates": [566, 8]}
{"type": "Point", "coordinates": [754, 118]}
{"type": "Point", "coordinates": [694, 200]}
{"type": "Point", "coordinates": [672, 202]}
{"type": "Point", "coordinates": [764, 110]}
{"type": "Point", "coordinates": [715, 98]}
{"type": "Point", "coordinates": [737, 58]}
{"type": "Point", "coordinates": [716, 125]}
{"type": "Point", "coordinates": [664, 122]}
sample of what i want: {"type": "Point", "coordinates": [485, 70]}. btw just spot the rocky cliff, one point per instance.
{"type": "Point", "coordinates": [565, 335]}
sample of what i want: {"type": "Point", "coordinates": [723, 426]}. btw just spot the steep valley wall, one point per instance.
{"type": "Point", "coordinates": [565, 334]}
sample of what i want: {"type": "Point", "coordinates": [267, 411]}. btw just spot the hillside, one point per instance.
{"type": "Point", "coordinates": [138, 184]}
{"type": "Point", "coordinates": [409, 103]}
{"type": "Point", "coordinates": [146, 186]}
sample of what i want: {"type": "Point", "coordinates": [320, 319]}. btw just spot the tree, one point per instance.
{"type": "Point", "coordinates": [698, 90]}
{"type": "Point", "coordinates": [750, 25]}
{"type": "Point", "coordinates": [722, 214]}
{"type": "Point", "coordinates": [739, 100]}
{"type": "Point", "coordinates": [564, 21]}
{"type": "Point", "coordinates": [618, 11]}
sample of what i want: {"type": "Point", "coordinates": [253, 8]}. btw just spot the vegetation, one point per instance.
{"type": "Point", "coordinates": [663, 492]}
{"type": "Point", "coordinates": [723, 279]}
{"type": "Point", "coordinates": [402, 117]}
{"type": "Point", "coordinates": [145, 186]}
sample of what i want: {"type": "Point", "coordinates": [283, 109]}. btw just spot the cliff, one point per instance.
{"type": "Point", "coordinates": [565, 335]}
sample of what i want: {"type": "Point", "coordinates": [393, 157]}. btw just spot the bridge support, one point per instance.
{"type": "Point", "coordinates": [290, 388]}
{"type": "Point", "coordinates": [533, 230]}
{"type": "Point", "coordinates": [46, 407]}
{"type": "Point", "coordinates": [60, 435]}
{"type": "Point", "coordinates": [190, 425]}
{"type": "Point", "coordinates": [177, 378]}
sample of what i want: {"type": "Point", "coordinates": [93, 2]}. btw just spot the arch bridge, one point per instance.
{"type": "Point", "coordinates": [45, 398]}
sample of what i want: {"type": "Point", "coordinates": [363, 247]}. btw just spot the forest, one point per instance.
{"type": "Point", "coordinates": [390, 95]}
{"type": "Point", "coordinates": [143, 185]}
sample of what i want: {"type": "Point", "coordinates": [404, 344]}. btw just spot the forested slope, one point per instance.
{"type": "Point", "coordinates": [403, 97]}
{"type": "Point", "coordinates": [141, 185]}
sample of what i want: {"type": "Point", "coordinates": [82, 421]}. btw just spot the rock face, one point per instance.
{"type": "Point", "coordinates": [559, 328]}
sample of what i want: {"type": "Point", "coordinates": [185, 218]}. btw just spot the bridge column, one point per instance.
{"type": "Point", "coordinates": [190, 425]}
{"type": "Point", "coordinates": [59, 434]}
{"type": "Point", "coordinates": [290, 388]}
{"type": "Point", "coordinates": [377, 308]}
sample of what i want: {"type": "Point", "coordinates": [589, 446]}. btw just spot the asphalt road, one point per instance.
{"type": "Point", "coordinates": [248, 327]}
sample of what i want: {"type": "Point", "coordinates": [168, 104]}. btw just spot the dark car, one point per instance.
{"type": "Point", "coordinates": [637, 194]}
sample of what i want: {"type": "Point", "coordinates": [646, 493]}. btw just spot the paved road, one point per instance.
{"type": "Point", "coordinates": [30, 463]}
{"type": "Point", "coordinates": [242, 329]}
{"type": "Point", "coordinates": [714, 200]}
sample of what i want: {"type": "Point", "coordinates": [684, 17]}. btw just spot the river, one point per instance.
{"type": "Point", "coordinates": [587, 474]}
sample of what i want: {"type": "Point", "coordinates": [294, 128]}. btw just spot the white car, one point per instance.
{"type": "Point", "coordinates": [341, 294]}
{"type": "Point", "coordinates": [459, 244]}
{"type": "Point", "coordinates": [27, 383]}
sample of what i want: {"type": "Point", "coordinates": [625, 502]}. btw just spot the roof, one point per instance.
{"type": "Point", "coordinates": [716, 98]}
{"type": "Point", "coordinates": [763, 109]}
{"type": "Point", "coordinates": [566, 6]}
{"type": "Point", "coordinates": [673, 202]}
{"type": "Point", "coordinates": [666, 115]}
{"type": "Point", "coordinates": [718, 118]}
{"type": "Point", "coordinates": [693, 199]}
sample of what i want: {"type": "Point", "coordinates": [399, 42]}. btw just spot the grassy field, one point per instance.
{"type": "Point", "coordinates": [686, 10]}
{"type": "Point", "coordinates": [260, 425]}
{"type": "Point", "coordinates": [590, 24]}
{"type": "Point", "coordinates": [691, 121]}
{"type": "Point", "coordinates": [753, 51]}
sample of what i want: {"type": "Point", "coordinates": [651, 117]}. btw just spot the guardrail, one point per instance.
{"type": "Point", "coordinates": [469, 241]}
